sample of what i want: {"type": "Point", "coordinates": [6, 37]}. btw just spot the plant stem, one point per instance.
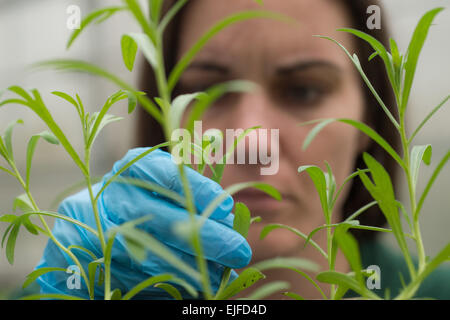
{"type": "Point", "coordinates": [224, 282]}
{"type": "Point", "coordinates": [165, 95]}
{"type": "Point", "coordinates": [411, 188]}
{"type": "Point", "coordinates": [101, 236]}
{"type": "Point", "coordinates": [329, 252]}
{"type": "Point", "coordinates": [26, 188]}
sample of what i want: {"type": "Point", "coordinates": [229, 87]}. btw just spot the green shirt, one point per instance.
{"type": "Point", "coordinates": [392, 264]}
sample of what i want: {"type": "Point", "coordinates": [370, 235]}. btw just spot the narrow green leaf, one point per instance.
{"type": "Point", "coordinates": [378, 47]}
{"type": "Point", "coordinates": [137, 251]}
{"type": "Point", "coordinates": [129, 50]}
{"type": "Point", "coordinates": [241, 222]}
{"type": "Point", "coordinates": [206, 100]}
{"type": "Point", "coordinates": [8, 218]}
{"type": "Point", "coordinates": [81, 66]}
{"type": "Point", "coordinates": [348, 245]}
{"type": "Point", "coordinates": [356, 62]}
{"type": "Point", "coordinates": [428, 117]}
{"type": "Point", "coordinates": [72, 189]}
{"type": "Point", "coordinates": [107, 119]}
{"type": "Point", "coordinates": [178, 108]}
{"type": "Point", "coordinates": [440, 258]}
{"type": "Point", "coordinates": [144, 43]}
{"type": "Point", "coordinates": [220, 167]}
{"type": "Point", "coordinates": [363, 128]}
{"type": "Point", "coordinates": [396, 58]}
{"type": "Point", "coordinates": [419, 154]}
{"type": "Point", "coordinates": [146, 241]}
{"type": "Point", "coordinates": [268, 289]}
{"type": "Point", "coordinates": [347, 281]}
{"type": "Point", "coordinates": [382, 191]}
{"type": "Point", "coordinates": [11, 243]}
{"type": "Point", "coordinates": [8, 171]}
{"type": "Point", "coordinates": [23, 203]}
{"type": "Point", "coordinates": [47, 136]}
{"type": "Point", "coordinates": [155, 10]}
{"type": "Point", "coordinates": [356, 214]}
{"type": "Point", "coordinates": [92, 271]}
{"type": "Point", "coordinates": [170, 15]}
{"type": "Point", "coordinates": [286, 262]}
{"type": "Point", "coordinates": [133, 100]}
{"type": "Point", "coordinates": [331, 186]}
{"type": "Point", "coordinates": [21, 92]}
{"type": "Point", "coordinates": [63, 217]}
{"type": "Point", "coordinates": [264, 187]}
{"type": "Point", "coordinates": [186, 285]}
{"type": "Point", "coordinates": [247, 278]}
{"type": "Point", "coordinates": [318, 177]}
{"type": "Point", "coordinates": [101, 119]}
{"type": "Point", "coordinates": [147, 283]}
{"type": "Point", "coordinates": [89, 252]}
{"type": "Point", "coordinates": [170, 289]}
{"type": "Point", "coordinates": [270, 227]}
{"type": "Point", "coordinates": [255, 219]}
{"type": "Point", "coordinates": [37, 105]}
{"type": "Point", "coordinates": [431, 182]}
{"type": "Point", "coordinates": [99, 15]}
{"type": "Point", "coordinates": [293, 295]}
{"type": "Point", "coordinates": [139, 16]}
{"type": "Point", "coordinates": [315, 131]}
{"type": "Point", "coordinates": [414, 49]}
{"type": "Point", "coordinates": [37, 273]}
{"type": "Point", "coordinates": [8, 137]}
{"type": "Point", "coordinates": [69, 99]}
{"type": "Point", "coordinates": [314, 231]}
{"type": "Point", "coordinates": [116, 294]}
{"type": "Point", "coordinates": [373, 55]}
{"type": "Point", "coordinates": [129, 164]}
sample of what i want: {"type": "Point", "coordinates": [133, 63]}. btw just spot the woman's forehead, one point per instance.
{"type": "Point", "coordinates": [263, 39]}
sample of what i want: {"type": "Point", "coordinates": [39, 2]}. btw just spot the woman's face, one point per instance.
{"type": "Point", "coordinates": [299, 78]}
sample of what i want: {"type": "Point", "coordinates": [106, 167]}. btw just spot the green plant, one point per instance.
{"type": "Point", "coordinates": [168, 113]}
{"type": "Point", "coordinates": [400, 70]}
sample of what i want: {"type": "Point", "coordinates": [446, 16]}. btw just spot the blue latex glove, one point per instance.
{"type": "Point", "coordinates": [119, 203]}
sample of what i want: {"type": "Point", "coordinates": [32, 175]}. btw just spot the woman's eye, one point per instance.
{"type": "Point", "coordinates": [307, 95]}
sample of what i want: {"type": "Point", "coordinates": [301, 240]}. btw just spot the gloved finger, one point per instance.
{"type": "Point", "coordinates": [220, 243]}
{"type": "Point", "coordinates": [159, 167]}
{"type": "Point", "coordinates": [126, 272]}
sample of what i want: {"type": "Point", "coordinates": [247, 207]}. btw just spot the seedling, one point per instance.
{"type": "Point", "coordinates": [168, 113]}
{"type": "Point", "coordinates": [400, 69]}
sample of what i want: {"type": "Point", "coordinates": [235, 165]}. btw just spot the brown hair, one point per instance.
{"type": "Point", "coordinates": [149, 132]}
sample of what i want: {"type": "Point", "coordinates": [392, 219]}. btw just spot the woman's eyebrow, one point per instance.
{"type": "Point", "coordinates": [304, 66]}
{"type": "Point", "coordinates": [209, 66]}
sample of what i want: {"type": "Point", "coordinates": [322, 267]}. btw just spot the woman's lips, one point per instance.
{"type": "Point", "coordinates": [259, 202]}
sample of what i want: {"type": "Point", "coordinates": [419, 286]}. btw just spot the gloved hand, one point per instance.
{"type": "Point", "coordinates": [119, 203]}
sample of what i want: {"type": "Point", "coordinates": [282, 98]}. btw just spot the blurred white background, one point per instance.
{"type": "Point", "coordinates": [32, 31]}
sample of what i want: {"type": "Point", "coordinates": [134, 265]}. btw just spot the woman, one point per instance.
{"type": "Point", "coordinates": [299, 78]}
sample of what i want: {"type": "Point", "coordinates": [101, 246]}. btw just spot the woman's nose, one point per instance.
{"type": "Point", "coordinates": [254, 109]}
